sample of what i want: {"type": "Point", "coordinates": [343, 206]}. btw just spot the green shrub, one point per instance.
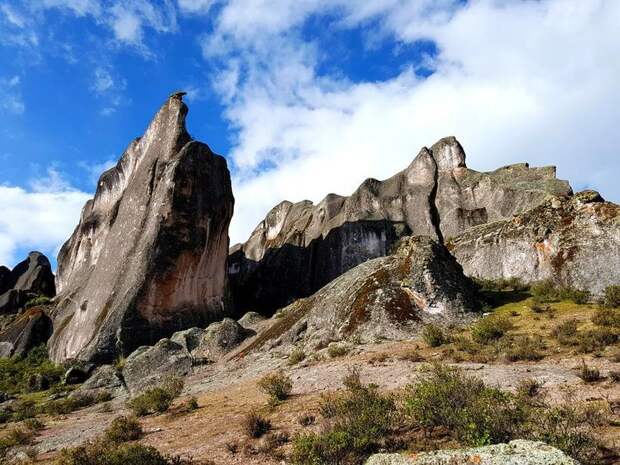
{"type": "Point", "coordinates": [612, 297]}
{"type": "Point", "coordinates": [37, 301]}
{"type": "Point", "coordinates": [157, 399]}
{"type": "Point", "coordinates": [191, 404]}
{"type": "Point", "coordinates": [15, 372]}
{"type": "Point", "coordinates": [337, 350]}
{"type": "Point", "coordinates": [108, 453]}
{"type": "Point", "coordinates": [474, 413]}
{"type": "Point", "coordinates": [255, 425]}
{"type": "Point", "coordinates": [523, 348]}
{"type": "Point", "coordinates": [360, 421]}
{"type": "Point", "coordinates": [123, 429]}
{"type": "Point", "coordinates": [609, 317]}
{"type": "Point", "coordinates": [589, 374]}
{"type": "Point", "coordinates": [529, 387]}
{"type": "Point", "coordinates": [545, 292]}
{"type": "Point", "coordinates": [68, 404]}
{"type": "Point", "coordinates": [497, 285]}
{"type": "Point", "coordinates": [595, 339]}
{"type": "Point", "coordinates": [490, 328]}
{"type": "Point", "coordinates": [434, 336]}
{"type": "Point", "coordinates": [277, 386]}
{"type": "Point", "coordinates": [565, 332]}
{"type": "Point", "coordinates": [296, 357]}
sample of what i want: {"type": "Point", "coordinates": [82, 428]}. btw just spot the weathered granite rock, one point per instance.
{"type": "Point", "coordinates": [30, 278]}
{"type": "Point", "coordinates": [30, 329]}
{"type": "Point", "coordinates": [574, 241]}
{"type": "Point", "coordinates": [219, 339]}
{"type": "Point", "coordinates": [148, 257]}
{"type": "Point", "coordinates": [300, 247]}
{"type": "Point", "coordinates": [519, 452]}
{"type": "Point", "coordinates": [252, 320]}
{"type": "Point", "coordinates": [105, 378]}
{"type": "Point", "coordinates": [78, 373]}
{"type": "Point", "coordinates": [190, 338]}
{"type": "Point", "coordinates": [389, 297]}
{"type": "Point", "coordinates": [149, 366]}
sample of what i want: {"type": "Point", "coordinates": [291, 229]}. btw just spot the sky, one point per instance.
{"type": "Point", "coordinates": [303, 97]}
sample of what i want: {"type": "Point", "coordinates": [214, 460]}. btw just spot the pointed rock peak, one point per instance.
{"type": "Point", "coordinates": [448, 154]}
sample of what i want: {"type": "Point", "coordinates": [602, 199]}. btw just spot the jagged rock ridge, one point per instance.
{"type": "Point", "coordinates": [149, 254]}
{"type": "Point", "coordinates": [300, 247]}
{"type": "Point", "coordinates": [573, 241]}
{"type": "Point", "coordinates": [30, 278]}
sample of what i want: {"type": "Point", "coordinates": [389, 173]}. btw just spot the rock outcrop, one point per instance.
{"type": "Point", "coordinates": [388, 297]}
{"type": "Point", "coordinates": [573, 241]}
{"type": "Point", "coordinates": [31, 328]}
{"type": "Point", "coordinates": [519, 452]}
{"type": "Point", "coordinates": [148, 256]}
{"type": "Point", "coordinates": [30, 278]}
{"type": "Point", "coordinates": [300, 247]}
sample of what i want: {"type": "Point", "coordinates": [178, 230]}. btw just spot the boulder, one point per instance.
{"type": "Point", "coordinates": [148, 256]}
{"type": "Point", "coordinates": [389, 297]}
{"type": "Point", "coordinates": [30, 278]}
{"type": "Point", "coordinates": [219, 339]}
{"type": "Point", "coordinates": [573, 241]}
{"type": "Point", "coordinates": [149, 366]}
{"type": "Point", "coordinates": [105, 378]}
{"type": "Point", "coordinates": [189, 339]}
{"type": "Point", "coordinates": [30, 329]}
{"type": "Point", "coordinates": [300, 247]}
{"type": "Point", "coordinates": [78, 373]}
{"type": "Point", "coordinates": [519, 452]}
{"type": "Point", "coordinates": [252, 320]}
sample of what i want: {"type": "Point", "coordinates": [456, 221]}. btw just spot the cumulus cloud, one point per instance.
{"type": "Point", "coordinates": [514, 81]}
{"type": "Point", "coordinates": [195, 6]}
{"type": "Point", "coordinates": [41, 217]}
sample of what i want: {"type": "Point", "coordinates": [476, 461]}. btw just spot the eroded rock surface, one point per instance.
{"type": "Point", "coordinates": [149, 255]}
{"type": "Point", "coordinates": [30, 278]}
{"type": "Point", "coordinates": [389, 297]}
{"type": "Point", "coordinates": [574, 241]}
{"type": "Point", "coordinates": [300, 247]}
{"type": "Point", "coordinates": [517, 452]}
{"type": "Point", "coordinates": [31, 328]}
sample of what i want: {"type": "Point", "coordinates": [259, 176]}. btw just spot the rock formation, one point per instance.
{"type": "Point", "coordinates": [300, 247]}
{"type": "Point", "coordinates": [148, 256]}
{"type": "Point", "coordinates": [30, 278]}
{"type": "Point", "coordinates": [574, 241]}
{"type": "Point", "coordinates": [519, 452]}
{"type": "Point", "coordinates": [389, 297]}
{"type": "Point", "coordinates": [30, 329]}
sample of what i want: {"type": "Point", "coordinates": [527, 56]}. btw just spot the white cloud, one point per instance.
{"type": "Point", "coordinates": [41, 218]}
{"type": "Point", "coordinates": [11, 100]}
{"type": "Point", "coordinates": [12, 15]}
{"type": "Point", "coordinates": [195, 6]}
{"type": "Point", "coordinates": [514, 81]}
{"type": "Point", "coordinates": [95, 170]}
{"type": "Point", "coordinates": [109, 88]}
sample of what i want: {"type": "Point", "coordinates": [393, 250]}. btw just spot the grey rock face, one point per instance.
{"type": "Point", "coordinates": [252, 320]}
{"type": "Point", "coordinates": [219, 339]}
{"type": "Point", "coordinates": [149, 366]}
{"type": "Point", "coordinates": [518, 452]}
{"type": "Point", "coordinates": [30, 329]}
{"type": "Point", "coordinates": [30, 278]}
{"type": "Point", "coordinates": [300, 247]}
{"type": "Point", "coordinates": [105, 378]}
{"type": "Point", "coordinates": [149, 255]}
{"type": "Point", "coordinates": [189, 339]}
{"type": "Point", "coordinates": [574, 241]}
{"type": "Point", "coordinates": [389, 297]}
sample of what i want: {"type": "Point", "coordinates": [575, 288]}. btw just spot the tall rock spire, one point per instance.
{"type": "Point", "coordinates": [149, 254]}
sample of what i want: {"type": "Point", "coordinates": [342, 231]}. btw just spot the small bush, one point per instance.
{"type": "Point", "coordinates": [524, 348]}
{"type": "Point", "coordinates": [277, 386]}
{"type": "Point", "coordinates": [360, 421]}
{"type": "Point", "coordinates": [609, 317]}
{"type": "Point", "coordinates": [337, 350]}
{"type": "Point", "coordinates": [614, 376]}
{"type": "Point", "coordinates": [529, 387]}
{"type": "Point", "coordinates": [255, 425]}
{"type": "Point", "coordinates": [16, 372]}
{"type": "Point", "coordinates": [612, 297]}
{"type": "Point", "coordinates": [306, 420]}
{"type": "Point", "coordinates": [589, 374]}
{"type": "Point", "coordinates": [157, 399]}
{"type": "Point", "coordinates": [191, 404]}
{"type": "Point", "coordinates": [434, 336]}
{"type": "Point", "coordinates": [123, 429]}
{"type": "Point", "coordinates": [412, 356]}
{"type": "Point", "coordinates": [107, 453]}
{"type": "Point", "coordinates": [296, 357]}
{"type": "Point", "coordinates": [69, 404]}
{"type": "Point", "coordinates": [37, 301]}
{"type": "Point", "coordinates": [565, 332]}
{"type": "Point", "coordinates": [497, 285]}
{"type": "Point", "coordinates": [595, 339]}
{"type": "Point", "coordinates": [490, 328]}
{"type": "Point", "coordinates": [545, 292]}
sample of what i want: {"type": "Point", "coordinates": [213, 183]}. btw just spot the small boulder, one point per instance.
{"type": "Point", "coordinates": [251, 320]}
{"type": "Point", "coordinates": [518, 452]}
{"type": "Point", "coordinates": [105, 378]}
{"type": "Point", "coordinates": [148, 366]}
{"type": "Point", "coordinates": [77, 374]}
{"type": "Point", "coordinates": [189, 339]}
{"type": "Point", "coordinates": [219, 339]}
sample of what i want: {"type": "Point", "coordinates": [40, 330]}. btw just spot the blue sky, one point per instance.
{"type": "Point", "coordinates": [302, 97]}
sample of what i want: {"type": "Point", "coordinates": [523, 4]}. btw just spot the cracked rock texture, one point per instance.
{"type": "Point", "coordinates": [519, 452]}
{"type": "Point", "coordinates": [148, 256]}
{"type": "Point", "coordinates": [30, 278]}
{"type": "Point", "coordinates": [574, 241]}
{"type": "Point", "coordinates": [388, 297]}
{"type": "Point", "coordinates": [300, 247]}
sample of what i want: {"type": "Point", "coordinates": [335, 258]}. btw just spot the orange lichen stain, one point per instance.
{"type": "Point", "coordinates": [476, 459]}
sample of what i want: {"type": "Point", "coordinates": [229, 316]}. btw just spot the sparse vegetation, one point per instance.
{"type": "Point", "coordinates": [523, 348]}
{"type": "Point", "coordinates": [547, 291]}
{"type": "Point", "coordinates": [68, 404]}
{"type": "Point", "coordinates": [296, 356]}
{"type": "Point", "coordinates": [255, 425]}
{"type": "Point", "coordinates": [337, 350]}
{"type": "Point", "coordinates": [434, 335]}
{"type": "Point", "coordinates": [588, 373]}
{"type": "Point", "coordinates": [37, 301]}
{"type": "Point", "coordinates": [490, 328]}
{"type": "Point", "coordinates": [498, 285]}
{"type": "Point", "coordinates": [16, 372]}
{"type": "Point", "coordinates": [277, 386]}
{"type": "Point", "coordinates": [609, 317]}
{"type": "Point", "coordinates": [123, 429]}
{"type": "Point", "coordinates": [157, 399]}
{"type": "Point", "coordinates": [566, 331]}
{"type": "Point", "coordinates": [612, 297]}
